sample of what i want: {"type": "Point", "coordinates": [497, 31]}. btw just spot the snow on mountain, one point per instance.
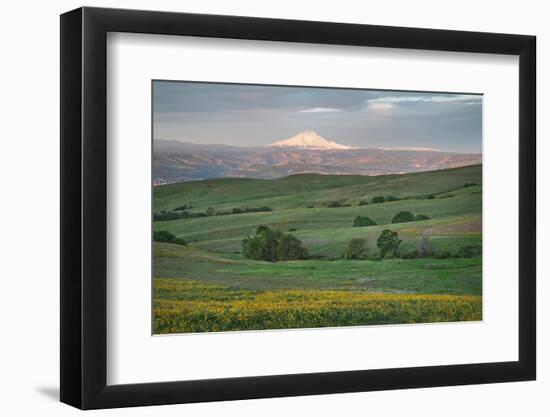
{"type": "Point", "coordinates": [308, 139]}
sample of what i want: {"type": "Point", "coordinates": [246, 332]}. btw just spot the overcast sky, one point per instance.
{"type": "Point", "coordinates": [254, 115]}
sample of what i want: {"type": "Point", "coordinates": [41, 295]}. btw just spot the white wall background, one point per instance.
{"type": "Point", "coordinates": [29, 219]}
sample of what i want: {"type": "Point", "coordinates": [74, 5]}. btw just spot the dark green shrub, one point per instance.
{"type": "Point", "coordinates": [181, 208]}
{"type": "Point", "coordinates": [470, 251]}
{"type": "Point", "coordinates": [179, 241]}
{"type": "Point", "coordinates": [209, 211]}
{"type": "Point", "coordinates": [443, 254]}
{"type": "Point", "coordinates": [262, 229]}
{"type": "Point", "coordinates": [356, 249]}
{"type": "Point", "coordinates": [162, 236]}
{"type": "Point", "coordinates": [403, 217]}
{"type": "Point", "coordinates": [255, 209]}
{"type": "Point", "coordinates": [166, 215]}
{"type": "Point", "coordinates": [238, 210]}
{"type": "Point", "coordinates": [388, 243]}
{"type": "Point", "coordinates": [195, 215]}
{"type": "Point", "coordinates": [392, 198]}
{"type": "Point", "coordinates": [333, 204]}
{"type": "Point", "coordinates": [292, 229]}
{"type": "Point", "coordinates": [363, 203]}
{"type": "Point", "coordinates": [362, 221]}
{"type": "Point", "coordinates": [378, 199]}
{"type": "Point", "coordinates": [165, 236]}
{"type": "Point", "coordinates": [420, 217]}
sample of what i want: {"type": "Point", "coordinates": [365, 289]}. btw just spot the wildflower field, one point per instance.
{"type": "Point", "coordinates": [183, 306]}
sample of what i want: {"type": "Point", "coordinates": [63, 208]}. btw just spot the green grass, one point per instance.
{"type": "Point", "coordinates": [240, 225]}
{"type": "Point", "coordinates": [209, 286]}
{"type": "Point", "coordinates": [307, 189]}
{"type": "Point", "coordinates": [426, 276]}
{"type": "Point", "coordinates": [445, 234]}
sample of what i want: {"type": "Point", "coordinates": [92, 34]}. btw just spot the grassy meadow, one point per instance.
{"type": "Point", "coordinates": [209, 285]}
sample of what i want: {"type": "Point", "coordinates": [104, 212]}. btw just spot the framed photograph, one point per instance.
{"type": "Point", "coordinates": [257, 208]}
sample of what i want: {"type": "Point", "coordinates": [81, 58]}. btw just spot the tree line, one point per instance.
{"type": "Point", "coordinates": [182, 213]}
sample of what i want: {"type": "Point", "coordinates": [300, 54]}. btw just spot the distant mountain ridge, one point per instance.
{"type": "Point", "coordinates": [306, 152]}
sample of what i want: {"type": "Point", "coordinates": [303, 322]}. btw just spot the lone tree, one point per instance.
{"type": "Point", "coordinates": [356, 249]}
{"type": "Point", "coordinates": [388, 242]}
{"type": "Point", "coordinates": [403, 217]}
{"type": "Point", "coordinates": [362, 221]}
{"type": "Point", "coordinates": [272, 245]}
{"type": "Point", "coordinates": [424, 248]}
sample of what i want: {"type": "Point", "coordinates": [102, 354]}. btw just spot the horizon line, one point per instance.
{"type": "Point", "coordinates": [386, 148]}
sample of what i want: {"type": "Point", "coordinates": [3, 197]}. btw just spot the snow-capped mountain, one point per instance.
{"type": "Point", "coordinates": [308, 139]}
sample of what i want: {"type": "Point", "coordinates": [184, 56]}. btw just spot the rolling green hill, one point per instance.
{"type": "Point", "coordinates": [209, 286]}
{"type": "Point", "coordinates": [455, 212]}
{"type": "Point", "coordinates": [308, 189]}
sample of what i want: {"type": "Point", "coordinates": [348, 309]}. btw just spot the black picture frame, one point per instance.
{"type": "Point", "coordinates": [84, 207]}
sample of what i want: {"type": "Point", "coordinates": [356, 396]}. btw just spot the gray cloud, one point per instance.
{"type": "Point", "coordinates": [253, 115]}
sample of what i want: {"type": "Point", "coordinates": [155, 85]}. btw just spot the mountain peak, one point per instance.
{"type": "Point", "coordinates": [308, 139]}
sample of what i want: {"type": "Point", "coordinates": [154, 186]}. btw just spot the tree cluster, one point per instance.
{"type": "Point", "coordinates": [407, 216]}
{"type": "Point", "coordinates": [272, 245]}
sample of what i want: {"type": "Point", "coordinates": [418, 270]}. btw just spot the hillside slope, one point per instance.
{"type": "Point", "coordinates": [305, 190]}
{"type": "Point", "coordinates": [301, 204]}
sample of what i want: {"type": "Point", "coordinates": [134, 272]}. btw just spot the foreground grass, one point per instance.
{"type": "Point", "coordinates": [183, 306]}
{"type": "Point", "coordinates": [429, 276]}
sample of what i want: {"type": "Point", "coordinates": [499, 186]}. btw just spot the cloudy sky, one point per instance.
{"type": "Point", "coordinates": [254, 115]}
